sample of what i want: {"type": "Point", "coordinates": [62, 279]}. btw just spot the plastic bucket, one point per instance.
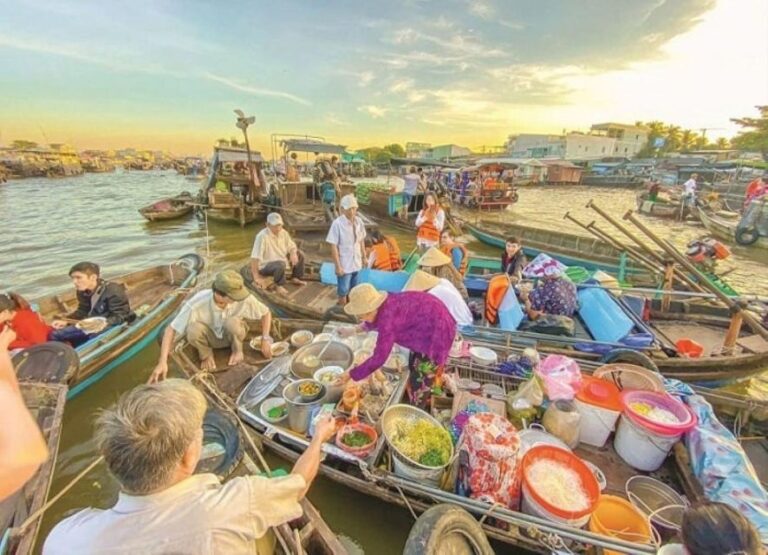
{"type": "Point", "coordinates": [535, 504]}
{"type": "Point", "coordinates": [618, 518]}
{"type": "Point", "coordinates": [641, 448]}
{"type": "Point", "coordinates": [689, 348]}
{"type": "Point", "coordinates": [597, 423]}
{"type": "Point", "coordinates": [686, 418]}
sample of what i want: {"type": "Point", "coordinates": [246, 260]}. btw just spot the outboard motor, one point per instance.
{"type": "Point", "coordinates": [706, 251]}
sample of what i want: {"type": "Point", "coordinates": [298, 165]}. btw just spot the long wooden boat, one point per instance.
{"type": "Point", "coordinates": [570, 249]}
{"type": "Point", "coordinates": [154, 293]}
{"type": "Point", "coordinates": [618, 181]}
{"type": "Point", "coordinates": [46, 403]}
{"type": "Point", "coordinates": [724, 227]}
{"type": "Point", "coordinates": [302, 209]}
{"type": "Point", "coordinates": [373, 475]}
{"type": "Point", "coordinates": [169, 208]}
{"type": "Point", "coordinates": [647, 207]}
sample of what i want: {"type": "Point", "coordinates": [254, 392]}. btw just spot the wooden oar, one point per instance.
{"type": "Point", "coordinates": [408, 259]}
{"type": "Point", "coordinates": [739, 313]}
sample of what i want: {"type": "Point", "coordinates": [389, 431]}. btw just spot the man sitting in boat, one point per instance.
{"type": "Point", "coordinates": [95, 298]}
{"type": "Point", "coordinates": [457, 251]}
{"type": "Point", "coordinates": [440, 264]}
{"type": "Point", "coordinates": [555, 295]}
{"type": "Point", "coordinates": [383, 252]}
{"type": "Point", "coordinates": [152, 440]}
{"type": "Point", "coordinates": [513, 259]}
{"type": "Point", "coordinates": [215, 318]}
{"type": "Point", "coordinates": [272, 251]}
{"type": "Point", "coordinates": [443, 290]}
{"type": "Point", "coordinates": [29, 327]}
{"type": "Point", "coordinates": [418, 321]}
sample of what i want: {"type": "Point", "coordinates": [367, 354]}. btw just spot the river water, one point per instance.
{"type": "Point", "coordinates": [48, 225]}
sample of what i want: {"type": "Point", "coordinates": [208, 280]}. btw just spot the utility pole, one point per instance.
{"type": "Point", "coordinates": [243, 123]}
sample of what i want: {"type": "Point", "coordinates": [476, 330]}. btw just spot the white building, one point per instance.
{"type": "Point", "coordinates": [573, 146]}
{"type": "Point", "coordinates": [630, 139]}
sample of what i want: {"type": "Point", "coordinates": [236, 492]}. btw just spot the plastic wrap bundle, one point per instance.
{"type": "Point", "coordinates": [489, 462]}
{"type": "Point", "coordinates": [561, 377]}
{"type": "Point", "coordinates": [521, 365]}
{"type": "Point", "coordinates": [723, 469]}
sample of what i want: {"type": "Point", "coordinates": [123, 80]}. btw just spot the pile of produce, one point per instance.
{"type": "Point", "coordinates": [356, 439]}
{"type": "Point", "coordinates": [422, 441]}
{"type": "Point", "coordinates": [558, 485]}
{"type": "Point", "coordinates": [657, 414]}
{"type": "Point", "coordinates": [309, 389]}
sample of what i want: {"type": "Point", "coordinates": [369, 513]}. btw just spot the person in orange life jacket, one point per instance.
{"type": "Point", "coordinates": [95, 298]}
{"type": "Point", "coordinates": [458, 252]}
{"type": "Point", "coordinates": [513, 259]}
{"type": "Point", "coordinates": [429, 223]}
{"type": "Point", "coordinates": [16, 314]}
{"type": "Point", "coordinates": [383, 252]}
{"type": "Point", "coordinates": [439, 264]}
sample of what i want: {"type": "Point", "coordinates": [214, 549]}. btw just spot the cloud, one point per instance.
{"type": "Point", "coordinates": [257, 91]}
{"type": "Point", "coordinates": [332, 119]}
{"type": "Point", "coordinates": [481, 9]}
{"type": "Point", "coordinates": [363, 78]}
{"type": "Point", "coordinates": [373, 111]}
{"type": "Point", "coordinates": [401, 85]}
{"type": "Point", "coordinates": [510, 24]}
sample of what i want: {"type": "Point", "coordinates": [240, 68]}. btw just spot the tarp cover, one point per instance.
{"type": "Point", "coordinates": [306, 145]}
{"type": "Point", "coordinates": [237, 155]}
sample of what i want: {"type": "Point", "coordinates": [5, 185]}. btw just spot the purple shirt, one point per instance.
{"type": "Point", "coordinates": [417, 321]}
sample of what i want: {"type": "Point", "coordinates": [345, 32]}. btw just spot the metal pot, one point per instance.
{"type": "Point", "coordinates": [336, 354]}
{"type": "Point", "coordinates": [300, 411]}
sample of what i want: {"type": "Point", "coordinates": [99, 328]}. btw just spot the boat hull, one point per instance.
{"type": "Point", "coordinates": [725, 230]}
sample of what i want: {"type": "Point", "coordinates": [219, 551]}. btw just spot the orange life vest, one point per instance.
{"type": "Point", "coordinates": [428, 231]}
{"type": "Point", "coordinates": [386, 255]}
{"type": "Point", "coordinates": [497, 288]}
{"type": "Point", "coordinates": [448, 250]}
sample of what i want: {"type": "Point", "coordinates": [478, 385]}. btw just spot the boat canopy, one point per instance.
{"type": "Point", "coordinates": [310, 145]}
{"type": "Point", "coordinates": [231, 154]}
{"type": "Point", "coordinates": [423, 162]}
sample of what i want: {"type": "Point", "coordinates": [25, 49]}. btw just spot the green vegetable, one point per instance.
{"type": "Point", "coordinates": [276, 412]}
{"type": "Point", "coordinates": [433, 457]}
{"type": "Point", "coordinates": [356, 439]}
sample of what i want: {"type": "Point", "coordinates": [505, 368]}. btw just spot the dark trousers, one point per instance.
{"type": "Point", "coordinates": [72, 335]}
{"type": "Point", "coordinates": [276, 269]}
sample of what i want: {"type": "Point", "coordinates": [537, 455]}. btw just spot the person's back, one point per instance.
{"type": "Point", "coordinates": [411, 183]}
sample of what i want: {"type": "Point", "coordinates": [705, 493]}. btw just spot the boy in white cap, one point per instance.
{"type": "Point", "coordinates": [347, 239]}
{"type": "Point", "coordinates": [272, 251]}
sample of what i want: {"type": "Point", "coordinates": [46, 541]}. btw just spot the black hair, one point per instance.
{"type": "Point", "coordinates": [88, 268]}
{"type": "Point", "coordinates": [12, 301]}
{"type": "Point", "coordinates": [717, 529]}
{"type": "Point", "coordinates": [514, 240]}
{"type": "Point", "coordinates": [376, 236]}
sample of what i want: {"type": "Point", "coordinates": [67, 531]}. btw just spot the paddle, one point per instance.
{"type": "Point", "coordinates": [408, 258]}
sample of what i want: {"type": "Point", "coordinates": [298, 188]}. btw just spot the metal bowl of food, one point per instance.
{"type": "Point", "coordinates": [301, 338]}
{"type": "Point", "coordinates": [310, 358]}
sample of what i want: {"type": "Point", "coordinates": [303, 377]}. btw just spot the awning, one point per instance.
{"type": "Point", "coordinates": [307, 145]}
{"type": "Point", "coordinates": [423, 162]}
{"type": "Point", "coordinates": [237, 155]}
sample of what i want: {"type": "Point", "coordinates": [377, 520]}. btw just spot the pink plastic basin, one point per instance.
{"type": "Point", "coordinates": [687, 419]}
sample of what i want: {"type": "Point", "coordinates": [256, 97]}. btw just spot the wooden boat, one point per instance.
{"type": "Point", "coordinates": [618, 181]}
{"type": "Point", "coordinates": [570, 249]}
{"type": "Point", "coordinates": [373, 476]}
{"type": "Point", "coordinates": [659, 209]}
{"type": "Point", "coordinates": [169, 208]}
{"type": "Point", "coordinates": [724, 225]}
{"type": "Point", "coordinates": [303, 211]}
{"type": "Point", "coordinates": [46, 403]}
{"type": "Point", "coordinates": [154, 293]}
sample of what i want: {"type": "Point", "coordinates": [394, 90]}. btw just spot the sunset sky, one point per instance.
{"type": "Point", "coordinates": [167, 74]}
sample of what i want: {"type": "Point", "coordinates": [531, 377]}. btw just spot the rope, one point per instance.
{"type": "Point", "coordinates": [407, 503]}
{"type": "Point", "coordinates": [38, 513]}
{"type": "Point", "coordinates": [489, 511]}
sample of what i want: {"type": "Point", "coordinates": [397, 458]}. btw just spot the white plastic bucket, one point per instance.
{"type": "Point", "coordinates": [640, 447]}
{"type": "Point", "coordinates": [597, 423]}
{"type": "Point", "coordinates": [421, 475]}
{"type": "Point", "coordinates": [530, 507]}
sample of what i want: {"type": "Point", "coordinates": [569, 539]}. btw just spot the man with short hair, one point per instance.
{"type": "Point", "coordinates": [347, 239]}
{"type": "Point", "coordinates": [215, 318]}
{"type": "Point", "coordinates": [272, 251]}
{"type": "Point", "coordinates": [151, 441]}
{"type": "Point", "coordinates": [411, 182]}
{"type": "Point", "coordinates": [95, 298]}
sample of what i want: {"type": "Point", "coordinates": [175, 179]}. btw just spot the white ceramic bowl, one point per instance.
{"type": "Point", "coordinates": [301, 338]}
{"type": "Point", "coordinates": [280, 348]}
{"type": "Point", "coordinates": [483, 356]}
{"type": "Point", "coordinates": [322, 337]}
{"type": "Point", "coordinates": [271, 403]}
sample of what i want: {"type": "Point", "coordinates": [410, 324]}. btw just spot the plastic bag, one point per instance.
{"type": "Point", "coordinates": [522, 405]}
{"type": "Point", "coordinates": [561, 377]}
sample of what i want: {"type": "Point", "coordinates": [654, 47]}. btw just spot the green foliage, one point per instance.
{"type": "Point", "coordinates": [754, 135]}
{"type": "Point", "coordinates": [22, 143]}
{"type": "Point", "coordinates": [382, 155]}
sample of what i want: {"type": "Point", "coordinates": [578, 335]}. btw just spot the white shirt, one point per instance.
{"type": "Point", "coordinates": [269, 247]}
{"type": "Point", "coordinates": [201, 308]}
{"type": "Point", "coordinates": [451, 298]}
{"type": "Point", "coordinates": [197, 516]}
{"type": "Point", "coordinates": [690, 187]}
{"type": "Point", "coordinates": [411, 183]}
{"type": "Point", "coordinates": [342, 234]}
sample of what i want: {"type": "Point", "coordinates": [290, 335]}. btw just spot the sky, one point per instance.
{"type": "Point", "coordinates": [167, 74]}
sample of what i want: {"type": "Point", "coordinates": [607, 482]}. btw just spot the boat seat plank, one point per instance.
{"type": "Point", "coordinates": [711, 338]}
{"type": "Point", "coordinates": [753, 343]}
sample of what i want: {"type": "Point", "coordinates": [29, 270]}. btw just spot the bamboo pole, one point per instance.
{"type": "Point", "coordinates": [653, 254]}
{"type": "Point", "coordinates": [732, 335]}
{"type": "Point", "coordinates": [669, 274]}
{"type": "Point", "coordinates": [668, 248]}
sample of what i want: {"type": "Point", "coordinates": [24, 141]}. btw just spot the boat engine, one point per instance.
{"type": "Point", "coordinates": [706, 251]}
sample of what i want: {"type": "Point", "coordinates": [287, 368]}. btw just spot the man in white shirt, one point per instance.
{"type": "Point", "coordinates": [272, 251]}
{"type": "Point", "coordinates": [689, 188]}
{"type": "Point", "coordinates": [410, 188]}
{"type": "Point", "coordinates": [347, 239]}
{"type": "Point", "coordinates": [151, 441]}
{"type": "Point", "coordinates": [215, 319]}
{"type": "Point", "coordinates": [443, 290]}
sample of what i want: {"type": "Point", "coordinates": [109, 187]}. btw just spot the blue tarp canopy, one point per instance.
{"type": "Point", "coordinates": [309, 145]}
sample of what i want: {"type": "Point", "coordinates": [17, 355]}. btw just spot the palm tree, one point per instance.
{"type": "Point", "coordinates": [722, 143]}
{"type": "Point", "coordinates": [700, 142]}
{"type": "Point", "coordinates": [673, 136]}
{"type": "Point", "coordinates": [687, 138]}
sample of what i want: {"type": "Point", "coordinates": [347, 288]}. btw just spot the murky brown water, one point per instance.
{"type": "Point", "coordinates": [48, 225]}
